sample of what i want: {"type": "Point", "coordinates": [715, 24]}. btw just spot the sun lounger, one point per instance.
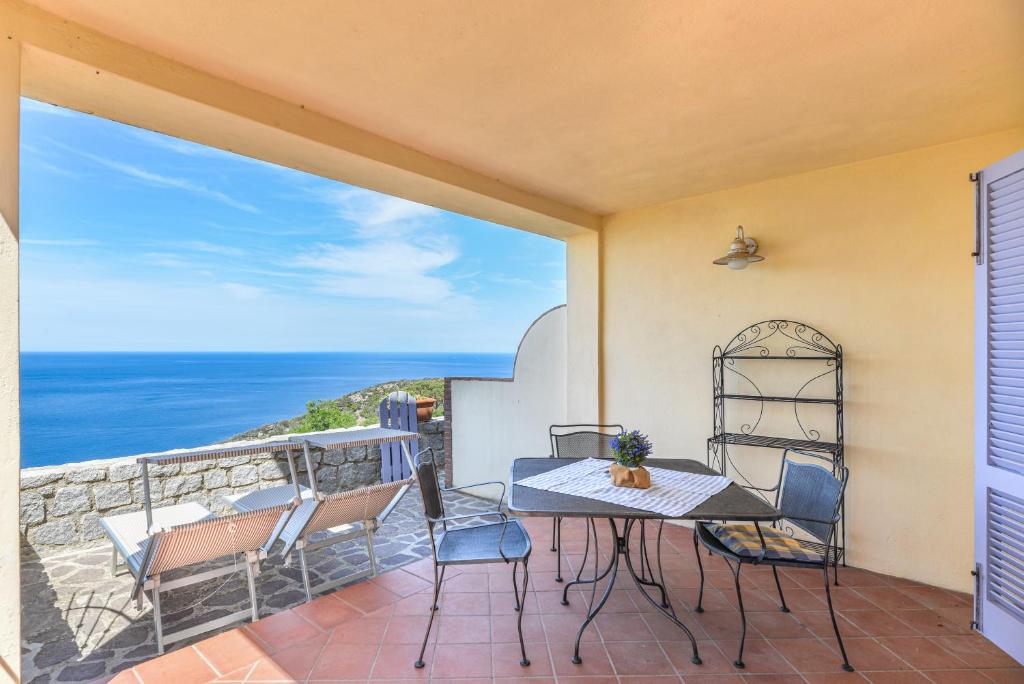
{"type": "Point", "coordinates": [185, 535]}
{"type": "Point", "coordinates": [340, 517]}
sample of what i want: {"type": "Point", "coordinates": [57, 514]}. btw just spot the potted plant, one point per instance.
{"type": "Point", "coordinates": [631, 450]}
{"type": "Point", "coordinates": [424, 409]}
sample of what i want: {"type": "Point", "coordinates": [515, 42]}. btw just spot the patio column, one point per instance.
{"type": "Point", "coordinates": [583, 296]}
{"type": "Point", "coordinates": [10, 477]}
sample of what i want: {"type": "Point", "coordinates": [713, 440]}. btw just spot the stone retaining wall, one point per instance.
{"type": "Point", "coordinates": [61, 505]}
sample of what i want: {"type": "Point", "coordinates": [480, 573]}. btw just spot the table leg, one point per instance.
{"type": "Point", "coordinates": [645, 559]}
{"type": "Point", "coordinates": [579, 573]}
{"type": "Point", "coordinates": [657, 580]}
{"type": "Point", "coordinates": [611, 571]}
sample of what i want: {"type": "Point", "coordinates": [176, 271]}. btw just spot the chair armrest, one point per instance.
{"type": "Point", "coordinates": [501, 484]}
{"type": "Point", "coordinates": [467, 516]}
{"type": "Point", "coordinates": [761, 489]}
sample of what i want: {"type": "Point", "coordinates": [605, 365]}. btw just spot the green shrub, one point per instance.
{"type": "Point", "coordinates": [324, 415]}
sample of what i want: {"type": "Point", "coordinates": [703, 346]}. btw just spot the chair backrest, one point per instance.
{"type": "Point", "coordinates": [810, 496]}
{"type": "Point", "coordinates": [356, 505]}
{"type": "Point", "coordinates": [430, 487]}
{"type": "Point", "coordinates": [398, 412]}
{"type": "Point", "coordinates": [583, 441]}
{"type": "Point", "coordinates": [205, 540]}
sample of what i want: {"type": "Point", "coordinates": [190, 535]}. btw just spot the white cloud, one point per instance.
{"type": "Point", "coordinates": [53, 168]}
{"type": "Point", "coordinates": [162, 181]}
{"type": "Point", "coordinates": [167, 260]}
{"type": "Point", "coordinates": [37, 107]}
{"type": "Point", "coordinates": [210, 248]}
{"type": "Point", "coordinates": [242, 291]}
{"type": "Point", "coordinates": [385, 269]}
{"type": "Point", "coordinates": [375, 213]}
{"type": "Point", "coordinates": [172, 144]}
{"type": "Point", "coordinates": [59, 243]}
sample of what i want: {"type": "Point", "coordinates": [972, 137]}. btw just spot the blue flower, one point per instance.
{"type": "Point", "coordinates": [631, 448]}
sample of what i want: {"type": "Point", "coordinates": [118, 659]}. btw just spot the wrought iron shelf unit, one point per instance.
{"type": "Point", "coordinates": [759, 397]}
{"type": "Point", "coordinates": [741, 439]}
{"type": "Point", "coordinates": [779, 342]}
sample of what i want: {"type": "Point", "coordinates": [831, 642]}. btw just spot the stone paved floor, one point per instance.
{"type": "Point", "coordinates": [79, 624]}
{"type": "Point", "coordinates": [895, 630]}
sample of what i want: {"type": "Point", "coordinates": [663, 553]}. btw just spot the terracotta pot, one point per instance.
{"type": "Point", "coordinates": [424, 409]}
{"type": "Point", "coordinates": [623, 476]}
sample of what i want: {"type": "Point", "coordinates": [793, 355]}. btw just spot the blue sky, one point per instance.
{"type": "Point", "coordinates": [135, 241]}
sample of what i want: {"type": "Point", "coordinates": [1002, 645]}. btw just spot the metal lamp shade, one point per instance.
{"type": "Point", "coordinates": [742, 251]}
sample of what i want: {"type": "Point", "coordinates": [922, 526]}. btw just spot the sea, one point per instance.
{"type": "Point", "coordinates": [83, 406]}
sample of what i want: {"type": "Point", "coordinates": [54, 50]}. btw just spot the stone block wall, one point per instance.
{"type": "Point", "coordinates": [61, 505]}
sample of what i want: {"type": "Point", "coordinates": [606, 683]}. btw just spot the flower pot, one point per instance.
{"type": "Point", "coordinates": [424, 409]}
{"type": "Point", "coordinates": [623, 476]}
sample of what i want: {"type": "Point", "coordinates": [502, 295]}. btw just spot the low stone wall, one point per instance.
{"type": "Point", "coordinates": [61, 505]}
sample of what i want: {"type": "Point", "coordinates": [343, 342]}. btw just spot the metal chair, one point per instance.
{"type": "Point", "coordinates": [578, 441]}
{"type": "Point", "coordinates": [809, 497]}
{"type": "Point", "coordinates": [501, 542]}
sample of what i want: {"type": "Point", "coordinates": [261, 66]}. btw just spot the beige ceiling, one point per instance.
{"type": "Point", "coordinates": [610, 105]}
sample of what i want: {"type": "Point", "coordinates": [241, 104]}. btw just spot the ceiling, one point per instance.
{"type": "Point", "coordinates": [616, 104]}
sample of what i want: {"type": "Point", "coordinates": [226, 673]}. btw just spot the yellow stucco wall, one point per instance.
{"type": "Point", "coordinates": [875, 254]}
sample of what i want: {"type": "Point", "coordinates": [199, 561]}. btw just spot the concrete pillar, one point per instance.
{"type": "Point", "coordinates": [10, 451]}
{"type": "Point", "coordinates": [583, 339]}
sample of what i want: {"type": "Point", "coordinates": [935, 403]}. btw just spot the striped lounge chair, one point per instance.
{"type": "Point", "coordinates": [333, 518]}
{"type": "Point", "coordinates": [183, 536]}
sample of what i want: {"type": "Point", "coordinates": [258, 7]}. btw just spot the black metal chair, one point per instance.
{"type": "Point", "coordinates": [578, 441]}
{"type": "Point", "coordinates": [501, 542]}
{"type": "Point", "coordinates": [809, 497]}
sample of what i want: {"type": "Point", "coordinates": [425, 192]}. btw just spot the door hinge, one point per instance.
{"type": "Point", "coordinates": [976, 179]}
{"type": "Point", "coordinates": [976, 574]}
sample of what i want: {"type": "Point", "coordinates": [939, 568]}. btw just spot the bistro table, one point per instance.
{"type": "Point", "coordinates": [732, 503]}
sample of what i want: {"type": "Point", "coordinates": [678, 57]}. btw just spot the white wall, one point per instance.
{"type": "Point", "coordinates": [583, 334]}
{"type": "Point", "coordinates": [10, 613]}
{"type": "Point", "coordinates": [494, 421]}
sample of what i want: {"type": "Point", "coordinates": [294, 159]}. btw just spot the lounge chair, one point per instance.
{"type": "Point", "coordinates": [341, 517]}
{"type": "Point", "coordinates": [187, 534]}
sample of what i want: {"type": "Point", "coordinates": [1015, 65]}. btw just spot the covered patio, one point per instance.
{"type": "Point", "coordinates": [872, 149]}
{"type": "Point", "coordinates": [897, 630]}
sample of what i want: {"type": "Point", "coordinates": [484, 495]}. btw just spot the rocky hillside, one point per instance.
{"type": "Point", "coordinates": [361, 404]}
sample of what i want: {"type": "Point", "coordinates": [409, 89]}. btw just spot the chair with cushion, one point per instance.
{"type": "Point", "coordinates": [577, 441]}
{"type": "Point", "coordinates": [500, 542]}
{"type": "Point", "coordinates": [809, 496]}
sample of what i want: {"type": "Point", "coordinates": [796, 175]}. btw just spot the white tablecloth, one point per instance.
{"type": "Point", "coordinates": [671, 493]}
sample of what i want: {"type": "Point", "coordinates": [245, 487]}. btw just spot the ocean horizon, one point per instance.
{"type": "Point", "coordinates": [79, 406]}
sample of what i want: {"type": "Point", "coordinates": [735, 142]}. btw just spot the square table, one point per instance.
{"type": "Point", "coordinates": [732, 503]}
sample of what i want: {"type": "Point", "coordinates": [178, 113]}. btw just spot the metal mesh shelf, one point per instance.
{"type": "Point", "coordinates": [774, 442]}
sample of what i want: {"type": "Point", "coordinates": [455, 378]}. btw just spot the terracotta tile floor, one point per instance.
{"type": "Point", "coordinates": [895, 630]}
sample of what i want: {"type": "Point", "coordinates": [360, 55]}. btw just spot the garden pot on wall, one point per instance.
{"type": "Point", "coordinates": [424, 409]}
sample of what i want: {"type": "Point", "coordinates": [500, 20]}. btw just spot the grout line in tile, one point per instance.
{"type": "Point", "coordinates": [206, 660]}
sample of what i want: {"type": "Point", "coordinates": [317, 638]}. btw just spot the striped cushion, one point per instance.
{"type": "Point", "coordinates": [742, 539]}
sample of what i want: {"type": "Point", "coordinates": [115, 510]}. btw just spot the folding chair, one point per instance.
{"type": "Point", "coordinates": [150, 554]}
{"type": "Point", "coordinates": [341, 517]}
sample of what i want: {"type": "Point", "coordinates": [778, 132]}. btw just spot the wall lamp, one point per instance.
{"type": "Point", "coordinates": [742, 252]}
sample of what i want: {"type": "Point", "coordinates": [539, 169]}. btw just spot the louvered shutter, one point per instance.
{"type": "Point", "coordinates": [1004, 208]}
{"type": "Point", "coordinates": [999, 405]}
{"type": "Point", "coordinates": [1006, 552]}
